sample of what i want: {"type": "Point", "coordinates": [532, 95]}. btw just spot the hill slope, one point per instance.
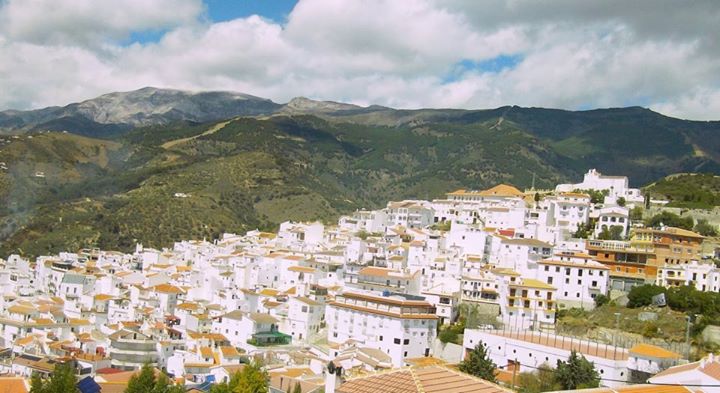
{"type": "Point", "coordinates": [308, 160]}
{"type": "Point", "coordinates": [688, 190]}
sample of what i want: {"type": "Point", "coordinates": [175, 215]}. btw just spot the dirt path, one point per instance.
{"type": "Point", "coordinates": [216, 128]}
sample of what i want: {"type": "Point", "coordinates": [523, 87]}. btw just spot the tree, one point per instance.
{"type": "Point", "coordinates": [601, 300]}
{"type": "Point", "coordinates": [614, 233]}
{"type": "Point", "coordinates": [621, 202]}
{"type": "Point", "coordinates": [146, 382]}
{"type": "Point", "coordinates": [448, 335]}
{"type": "Point", "coordinates": [252, 379]}
{"type": "Point", "coordinates": [636, 213]}
{"type": "Point", "coordinates": [672, 220]}
{"type": "Point", "coordinates": [576, 373]}
{"type": "Point", "coordinates": [704, 228]}
{"type": "Point", "coordinates": [297, 388]}
{"type": "Point", "coordinates": [479, 364]}
{"type": "Point", "coordinates": [62, 380]}
{"type": "Point", "coordinates": [583, 231]}
{"type": "Point", "coordinates": [642, 295]}
{"type": "Point", "coordinates": [542, 380]}
{"type": "Point", "coordinates": [470, 314]}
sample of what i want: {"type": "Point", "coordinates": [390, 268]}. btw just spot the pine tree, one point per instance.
{"type": "Point", "coordinates": [297, 389]}
{"type": "Point", "coordinates": [478, 363]}
{"type": "Point", "coordinates": [143, 382]}
{"type": "Point", "coordinates": [576, 373]}
{"type": "Point", "coordinates": [62, 380]}
{"type": "Point", "coordinates": [36, 384]}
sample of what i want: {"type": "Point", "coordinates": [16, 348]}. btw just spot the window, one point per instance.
{"type": "Point", "coordinates": [381, 338]}
{"type": "Point", "coordinates": [406, 341]}
{"type": "Point", "coordinates": [396, 341]}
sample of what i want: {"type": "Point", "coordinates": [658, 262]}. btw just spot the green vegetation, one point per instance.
{"type": "Point", "coordinates": [541, 380]}
{"type": "Point", "coordinates": [583, 231]}
{"type": "Point", "coordinates": [695, 191]}
{"type": "Point", "coordinates": [257, 172]}
{"type": "Point", "coordinates": [452, 333]}
{"type": "Point", "coordinates": [576, 373]}
{"type": "Point", "coordinates": [596, 196]}
{"type": "Point", "coordinates": [251, 379]}
{"type": "Point", "coordinates": [601, 300]}
{"type": "Point", "coordinates": [146, 382]}
{"type": "Point", "coordinates": [704, 228]}
{"type": "Point", "coordinates": [641, 295]}
{"type": "Point", "coordinates": [614, 233]}
{"type": "Point", "coordinates": [579, 322]}
{"type": "Point", "coordinates": [672, 220]}
{"type": "Point", "coordinates": [62, 380]}
{"type": "Point", "coordinates": [442, 226]}
{"type": "Point", "coordinates": [636, 213]}
{"type": "Point", "coordinates": [479, 364]}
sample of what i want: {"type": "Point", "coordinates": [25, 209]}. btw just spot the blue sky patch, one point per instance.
{"type": "Point", "coordinates": [224, 10]}
{"type": "Point", "coordinates": [494, 65]}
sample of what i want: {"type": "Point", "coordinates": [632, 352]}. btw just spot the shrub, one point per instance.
{"type": "Point", "coordinates": [642, 295]}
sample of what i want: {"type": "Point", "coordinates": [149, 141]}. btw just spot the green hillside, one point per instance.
{"type": "Point", "coordinates": [255, 172]}
{"type": "Point", "coordinates": [694, 191]}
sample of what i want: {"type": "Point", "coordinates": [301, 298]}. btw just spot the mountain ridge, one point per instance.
{"type": "Point", "coordinates": [119, 112]}
{"type": "Point", "coordinates": [112, 184]}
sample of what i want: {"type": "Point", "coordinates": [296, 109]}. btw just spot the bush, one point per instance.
{"type": "Point", "coordinates": [672, 220]}
{"type": "Point", "coordinates": [636, 213]}
{"type": "Point", "coordinates": [704, 228]}
{"type": "Point", "coordinates": [642, 295]}
{"type": "Point", "coordinates": [601, 300]}
{"type": "Point", "coordinates": [448, 336]}
{"type": "Point", "coordinates": [650, 330]}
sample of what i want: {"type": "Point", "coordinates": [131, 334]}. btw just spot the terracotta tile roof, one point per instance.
{"type": "Point", "coordinates": [301, 269]}
{"type": "Point", "coordinates": [13, 385]}
{"type": "Point", "coordinates": [167, 288]}
{"type": "Point", "coordinates": [230, 352]}
{"type": "Point", "coordinates": [647, 350]}
{"type": "Point", "coordinates": [414, 380]}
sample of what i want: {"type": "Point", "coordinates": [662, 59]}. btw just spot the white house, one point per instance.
{"type": "Point", "coordinates": [402, 327]}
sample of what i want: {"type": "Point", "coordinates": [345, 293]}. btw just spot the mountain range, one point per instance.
{"type": "Point", "coordinates": [158, 165]}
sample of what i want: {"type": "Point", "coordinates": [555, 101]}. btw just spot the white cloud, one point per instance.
{"type": "Point", "coordinates": [574, 54]}
{"type": "Point", "coordinates": [89, 22]}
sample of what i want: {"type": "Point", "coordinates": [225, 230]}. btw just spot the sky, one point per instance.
{"type": "Point", "coordinates": [661, 54]}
